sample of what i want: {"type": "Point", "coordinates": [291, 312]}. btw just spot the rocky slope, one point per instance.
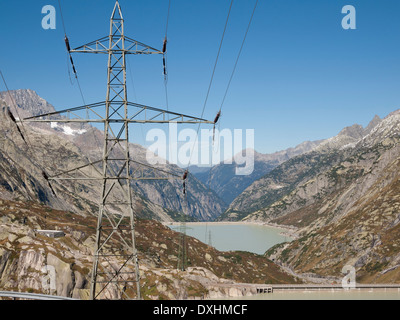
{"type": "Point", "coordinates": [24, 253]}
{"type": "Point", "coordinates": [22, 166]}
{"type": "Point", "coordinates": [55, 147]}
{"type": "Point", "coordinates": [342, 197]}
{"type": "Point", "coordinates": [366, 236]}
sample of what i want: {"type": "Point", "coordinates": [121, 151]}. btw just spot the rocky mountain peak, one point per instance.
{"type": "Point", "coordinates": [29, 103]}
{"type": "Point", "coordinates": [350, 136]}
{"type": "Point", "coordinates": [355, 131]}
{"type": "Point", "coordinates": [386, 128]}
{"type": "Point", "coordinates": [372, 124]}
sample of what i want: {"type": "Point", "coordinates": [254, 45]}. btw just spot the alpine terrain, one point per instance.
{"type": "Point", "coordinates": [343, 199]}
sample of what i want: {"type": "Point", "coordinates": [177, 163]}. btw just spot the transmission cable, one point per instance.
{"type": "Point", "coordinates": [238, 56]}
{"type": "Point", "coordinates": [186, 173]}
{"type": "Point", "coordinates": [165, 58]}
{"type": "Point", "coordinates": [234, 68]}
{"type": "Point", "coordinates": [231, 76]}
{"type": "Point", "coordinates": [69, 53]}
{"type": "Point", "coordinates": [24, 135]}
{"type": "Point", "coordinates": [212, 78]}
{"type": "Point", "coordinates": [76, 74]}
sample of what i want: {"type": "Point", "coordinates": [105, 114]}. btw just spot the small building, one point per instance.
{"type": "Point", "coordinates": [51, 233]}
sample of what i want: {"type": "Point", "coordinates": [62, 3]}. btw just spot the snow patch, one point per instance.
{"type": "Point", "coordinates": [67, 130]}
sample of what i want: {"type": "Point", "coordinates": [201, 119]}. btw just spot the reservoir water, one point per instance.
{"type": "Point", "coordinates": [258, 239]}
{"type": "Point", "coordinates": [235, 236]}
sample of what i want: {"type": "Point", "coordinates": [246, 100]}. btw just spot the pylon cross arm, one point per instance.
{"type": "Point", "coordinates": [130, 46]}
{"type": "Point", "coordinates": [139, 114]}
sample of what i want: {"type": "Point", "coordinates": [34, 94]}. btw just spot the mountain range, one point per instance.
{"type": "Point", "coordinates": [340, 196]}
{"type": "Point", "coordinates": [223, 179]}
{"type": "Point", "coordinates": [61, 146]}
{"type": "Point", "coordinates": [343, 199]}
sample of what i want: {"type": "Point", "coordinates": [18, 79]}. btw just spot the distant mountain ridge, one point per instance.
{"type": "Point", "coordinates": [284, 178]}
{"type": "Point", "coordinates": [223, 179]}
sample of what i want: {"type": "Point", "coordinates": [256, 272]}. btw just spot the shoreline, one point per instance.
{"type": "Point", "coordinates": [286, 230]}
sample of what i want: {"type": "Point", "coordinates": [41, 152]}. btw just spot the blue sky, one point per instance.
{"type": "Point", "coordinates": [301, 76]}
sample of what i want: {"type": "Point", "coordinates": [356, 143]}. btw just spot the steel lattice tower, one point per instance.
{"type": "Point", "coordinates": [115, 260]}
{"type": "Point", "coordinates": [119, 176]}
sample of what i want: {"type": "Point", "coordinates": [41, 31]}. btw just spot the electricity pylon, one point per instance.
{"type": "Point", "coordinates": [115, 231]}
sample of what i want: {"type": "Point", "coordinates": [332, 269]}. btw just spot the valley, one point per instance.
{"type": "Point", "coordinates": [337, 198]}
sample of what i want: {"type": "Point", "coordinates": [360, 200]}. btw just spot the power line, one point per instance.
{"type": "Point", "coordinates": [165, 58]}
{"type": "Point", "coordinates": [69, 53]}
{"type": "Point", "coordinates": [238, 56]}
{"type": "Point", "coordinates": [62, 17]}
{"type": "Point", "coordinates": [216, 60]}
{"type": "Point", "coordinates": [212, 78]}
{"type": "Point", "coordinates": [75, 72]}
{"type": "Point", "coordinates": [233, 71]}
{"type": "Point", "coordinates": [234, 67]}
{"type": "Point", "coordinates": [25, 137]}
{"type": "Point", "coordinates": [231, 76]}
{"type": "Point", "coordinates": [167, 24]}
{"type": "Point", "coordinates": [186, 175]}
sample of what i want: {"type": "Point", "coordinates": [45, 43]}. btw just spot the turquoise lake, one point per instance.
{"type": "Point", "coordinates": [230, 237]}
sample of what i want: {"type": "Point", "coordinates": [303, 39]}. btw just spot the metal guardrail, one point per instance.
{"type": "Point", "coordinates": [32, 296]}
{"type": "Point", "coordinates": [332, 286]}
{"type": "Point", "coordinates": [272, 287]}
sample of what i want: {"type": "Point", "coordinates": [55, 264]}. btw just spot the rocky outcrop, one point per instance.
{"type": "Point", "coordinates": [33, 262]}
{"type": "Point", "coordinates": [366, 237]}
